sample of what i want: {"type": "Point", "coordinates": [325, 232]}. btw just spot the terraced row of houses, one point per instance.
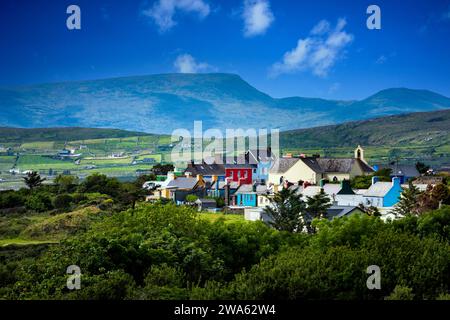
{"type": "Point", "coordinates": [247, 182]}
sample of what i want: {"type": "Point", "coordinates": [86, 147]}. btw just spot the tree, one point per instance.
{"type": "Point", "coordinates": [383, 174]}
{"type": "Point", "coordinates": [66, 183]}
{"type": "Point", "coordinates": [286, 210]}
{"type": "Point", "coordinates": [318, 205]}
{"type": "Point", "coordinates": [191, 198]}
{"type": "Point", "coordinates": [422, 167]}
{"type": "Point", "coordinates": [162, 169]}
{"type": "Point", "coordinates": [33, 180]}
{"type": "Point", "coordinates": [372, 211]}
{"type": "Point", "coordinates": [100, 183]}
{"type": "Point", "coordinates": [62, 201]}
{"type": "Point", "coordinates": [409, 201]}
{"type": "Point", "coordinates": [131, 193]}
{"type": "Point", "coordinates": [441, 194]}
{"type": "Point", "coordinates": [39, 202]}
{"type": "Point", "coordinates": [433, 197]}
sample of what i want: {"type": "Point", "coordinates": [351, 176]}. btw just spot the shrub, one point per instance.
{"type": "Point", "coordinates": [39, 202]}
{"type": "Point", "coordinates": [62, 201]}
{"type": "Point", "coordinates": [11, 199]}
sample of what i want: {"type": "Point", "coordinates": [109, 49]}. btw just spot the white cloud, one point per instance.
{"type": "Point", "coordinates": [257, 17]}
{"type": "Point", "coordinates": [381, 59]}
{"type": "Point", "coordinates": [163, 11]}
{"type": "Point", "coordinates": [319, 52]}
{"type": "Point", "coordinates": [185, 63]}
{"type": "Point", "coordinates": [321, 28]}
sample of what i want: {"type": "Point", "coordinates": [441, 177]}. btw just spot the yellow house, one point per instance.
{"type": "Point", "coordinates": [177, 188]}
{"type": "Point", "coordinates": [314, 169]}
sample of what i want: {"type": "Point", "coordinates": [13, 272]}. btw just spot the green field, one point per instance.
{"type": "Point", "coordinates": [96, 156]}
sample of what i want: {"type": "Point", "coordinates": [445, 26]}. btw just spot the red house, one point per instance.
{"type": "Point", "coordinates": [241, 173]}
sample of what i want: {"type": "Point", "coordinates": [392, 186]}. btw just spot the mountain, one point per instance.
{"type": "Point", "coordinates": [21, 135]}
{"type": "Point", "coordinates": [420, 128]}
{"type": "Point", "coordinates": [162, 103]}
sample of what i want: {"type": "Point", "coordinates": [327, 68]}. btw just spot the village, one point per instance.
{"type": "Point", "coordinates": [246, 184]}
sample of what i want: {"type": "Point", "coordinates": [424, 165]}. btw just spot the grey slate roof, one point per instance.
{"type": "Point", "coordinates": [340, 211]}
{"type": "Point", "coordinates": [283, 164]}
{"type": "Point", "coordinates": [183, 183]}
{"type": "Point", "coordinates": [338, 165]}
{"type": "Point", "coordinates": [206, 169]}
{"type": "Point", "coordinates": [402, 169]}
{"type": "Point", "coordinates": [233, 185]}
{"type": "Point", "coordinates": [248, 188]}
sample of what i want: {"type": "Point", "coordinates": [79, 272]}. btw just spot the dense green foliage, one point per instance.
{"type": "Point", "coordinates": [163, 251]}
{"type": "Point", "coordinates": [167, 252]}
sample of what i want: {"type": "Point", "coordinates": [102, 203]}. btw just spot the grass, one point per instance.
{"type": "Point", "coordinates": [229, 218]}
{"type": "Point", "coordinates": [42, 145]}
{"type": "Point", "coordinates": [24, 242]}
{"type": "Point", "coordinates": [58, 226]}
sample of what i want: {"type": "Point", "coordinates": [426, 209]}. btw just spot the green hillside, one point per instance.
{"type": "Point", "coordinates": [20, 135]}
{"type": "Point", "coordinates": [421, 128]}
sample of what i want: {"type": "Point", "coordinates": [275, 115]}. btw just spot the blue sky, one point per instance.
{"type": "Point", "coordinates": [284, 48]}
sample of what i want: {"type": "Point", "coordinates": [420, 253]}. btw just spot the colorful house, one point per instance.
{"type": "Point", "coordinates": [402, 171]}
{"type": "Point", "coordinates": [178, 188]}
{"type": "Point", "coordinates": [315, 169]}
{"type": "Point", "coordinates": [264, 160]}
{"type": "Point", "coordinates": [248, 195]}
{"type": "Point", "coordinates": [217, 188]}
{"type": "Point", "coordinates": [209, 172]}
{"type": "Point", "coordinates": [383, 194]}
{"type": "Point", "coordinates": [240, 173]}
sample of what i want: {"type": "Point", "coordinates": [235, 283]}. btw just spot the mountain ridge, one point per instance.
{"type": "Point", "coordinates": [164, 102]}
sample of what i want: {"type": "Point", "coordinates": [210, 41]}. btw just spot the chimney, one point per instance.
{"type": "Point", "coordinates": [227, 194]}
{"type": "Point", "coordinates": [375, 180]}
{"type": "Point", "coordinates": [188, 174]}
{"type": "Point", "coordinates": [322, 183]}
{"type": "Point", "coordinates": [395, 181]}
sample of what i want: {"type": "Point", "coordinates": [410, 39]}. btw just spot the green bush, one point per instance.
{"type": "Point", "coordinates": [11, 199]}
{"type": "Point", "coordinates": [62, 201]}
{"type": "Point", "coordinates": [39, 202]}
{"type": "Point", "coordinates": [401, 293]}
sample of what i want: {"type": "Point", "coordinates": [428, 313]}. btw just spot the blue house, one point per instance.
{"type": "Point", "coordinates": [402, 171]}
{"type": "Point", "coordinates": [383, 194]}
{"type": "Point", "coordinates": [217, 188]}
{"type": "Point", "coordinates": [264, 160]}
{"type": "Point", "coordinates": [247, 195]}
